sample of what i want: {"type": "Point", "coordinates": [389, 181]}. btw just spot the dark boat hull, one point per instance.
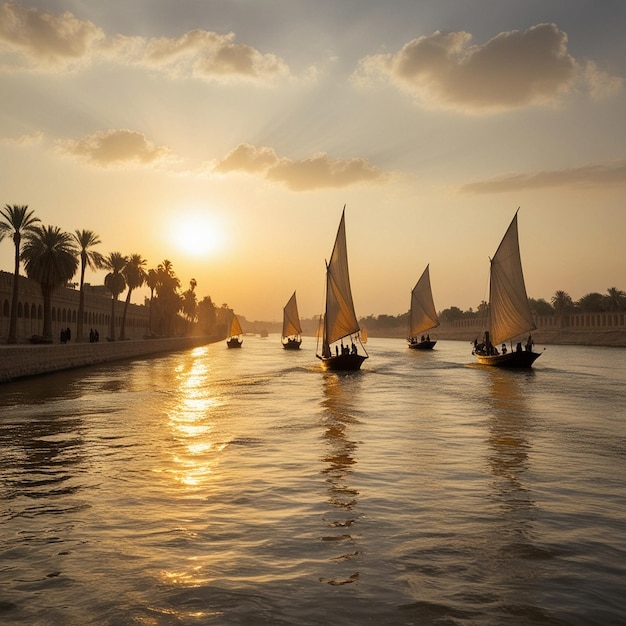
{"type": "Point", "coordinates": [292, 344]}
{"type": "Point", "coordinates": [422, 345]}
{"type": "Point", "coordinates": [342, 362]}
{"type": "Point", "coordinates": [515, 359]}
{"type": "Point", "coordinates": [234, 342]}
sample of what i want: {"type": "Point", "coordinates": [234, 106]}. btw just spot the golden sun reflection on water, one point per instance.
{"type": "Point", "coordinates": [192, 421]}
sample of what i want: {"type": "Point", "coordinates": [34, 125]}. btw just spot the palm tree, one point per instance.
{"type": "Point", "coordinates": [50, 258]}
{"type": "Point", "coordinates": [152, 280]}
{"type": "Point", "coordinates": [562, 303]}
{"type": "Point", "coordinates": [167, 294]}
{"type": "Point", "coordinates": [135, 276]}
{"type": "Point", "coordinates": [85, 240]}
{"type": "Point", "coordinates": [16, 221]}
{"type": "Point", "coordinates": [115, 282]}
{"type": "Point", "coordinates": [615, 299]}
{"type": "Point", "coordinates": [190, 302]}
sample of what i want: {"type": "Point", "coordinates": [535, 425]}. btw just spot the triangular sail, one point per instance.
{"type": "Point", "coordinates": [510, 313]}
{"type": "Point", "coordinates": [340, 318]}
{"type": "Point", "coordinates": [291, 319]}
{"type": "Point", "coordinates": [235, 327]}
{"type": "Point", "coordinates": [423, 315]}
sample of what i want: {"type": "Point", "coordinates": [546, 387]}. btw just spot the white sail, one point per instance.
{"type": "Point", "coordinates": [340, 318]}
{"type": "Point", "coordinates": [291, 319]}
{"type": "Point", "coordinates": [235, 327]}
{"type": "Point", "coordinates": [509, 311]}
{"type": "Point", "coordinates": [423, 315]}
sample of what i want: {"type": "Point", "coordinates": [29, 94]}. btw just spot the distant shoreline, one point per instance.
{"type": "Point", "coordinates": [600, 338]}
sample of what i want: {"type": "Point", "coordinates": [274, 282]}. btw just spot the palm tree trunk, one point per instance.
{"type": "Point", "coordinates": [112, 330]}
{"type": "Point", "coordinates": [81, 305]}
{"type": "Point", "coordinates": [123, 327]}
{"type": "Point", "coordinates": [12, 338]}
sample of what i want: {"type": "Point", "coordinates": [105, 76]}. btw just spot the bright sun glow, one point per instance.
{"type": "Point", "coordinates": [196, 234]}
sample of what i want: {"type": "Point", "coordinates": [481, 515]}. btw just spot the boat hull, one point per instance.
{"type": "Point", "coordinates": [292, 344]}
{"type": "Point", "coordinates": [516, 359]}
{"type": "Point", "coordinates": [342, 362]}
{"type": "Point", "coordinates": [234, 342]}
{"type": "Point", "coordinates": [422, 345]}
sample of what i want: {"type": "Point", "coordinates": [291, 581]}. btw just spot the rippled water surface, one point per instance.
{"type": "Point", "coordinates": [247, 487]}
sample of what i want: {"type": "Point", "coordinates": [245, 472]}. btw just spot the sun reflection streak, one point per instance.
{"type": "Point", "coordinates": [191, 419]}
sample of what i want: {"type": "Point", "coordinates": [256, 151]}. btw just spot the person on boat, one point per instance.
{"type": "Point", "coordinates": [353, 350]}
{"type": "Point", "coordinates": [503, 348]}
{"type": "Point", "coordinates": [518, 347]}
{"type": "Point", "coordinates": [529, 344]}
{"type": "Point", "coordinates": [427, 337]}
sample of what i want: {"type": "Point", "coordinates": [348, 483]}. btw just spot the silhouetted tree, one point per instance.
{"type": "Point", "coordinates": [615, 300]}
{"type": "Point", "coordinates": [50, 258]}
{"type": "Point", "coordinates": [115, 282]}
{"type": "Point", "coordinates": [16, 221]}
{"type": "Point", "coordinates": [152, 280]}
{"type": "Point", "coordinates": [135, 276]}
{"type": "Point", "coordinates": [85, 240]}
{"type": "Point", "coordinates": [591, 303]}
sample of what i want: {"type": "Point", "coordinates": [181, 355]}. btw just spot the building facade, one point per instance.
{"type": "Point", "coordinates": [64, 313]}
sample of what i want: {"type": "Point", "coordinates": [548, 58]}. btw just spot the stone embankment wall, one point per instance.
{"type": "Point", "coordinates": [20, 361]}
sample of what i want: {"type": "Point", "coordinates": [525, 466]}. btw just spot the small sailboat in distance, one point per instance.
{"type": "Point", "coordinates": [422, 315]}
{"type": "Point", "coordinates": [339, 320]}
{"type": "Point", "coordinates": [234, 339]}
{"type": "Point", "coordinates": [509, 312]}
{"type": "Point", "coordinates": [292, 331]}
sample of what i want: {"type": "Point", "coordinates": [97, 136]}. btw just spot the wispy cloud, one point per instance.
{"type": "Point", "coordinates": [317, 172]}
{"type": "Point", "coordinates": [23, 140]}
{"type": "Point", "coordinates": [599, 175]}
{"type": "Point", "coordinates": [45, 42]}
{"type": "Point", "coordinates": [514, 69]}
{"type": "Point", "coordinates": [116, 148]}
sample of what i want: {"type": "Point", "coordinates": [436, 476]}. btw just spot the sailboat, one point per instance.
{"type": "Point", "coordinates": [509, 311]}
{"type": "Point", "coordinates": [292, 331]}
{"type": "Point", "coordinates": [340, 319]}
{"type": "Point", "coordinates": [422, 316]}
{"type": "Point", "coordinates": [234, 335]}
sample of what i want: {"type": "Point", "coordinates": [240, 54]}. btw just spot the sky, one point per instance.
{"type": "Point", "coordinates": [227, 136]}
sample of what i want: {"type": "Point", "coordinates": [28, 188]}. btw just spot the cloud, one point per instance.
{"type": "Point", "coordinates": [23, 140]}
{"type": "Point", "coordinates": [600, 175]}
{"type": "Point", "coordinates": [209, 55]}
{"type": "Point", "coordinates": [247, 158]}
{"type": "Point", "coordinates": [317, 172]}
{"type": "Point", "coordinates": [115, 148]}
{"type": "Point", "coordinates": [514, 69]}
{"type": "Point", "coordinates": [41, 41]}
{"type": "Point", "coordinates": [45, 40]}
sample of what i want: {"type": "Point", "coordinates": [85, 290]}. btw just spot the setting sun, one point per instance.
{"type": "Point", "coordinates": [196, 234]}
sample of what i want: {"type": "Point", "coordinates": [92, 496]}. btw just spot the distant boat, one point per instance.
{"type": "Point", "coordinates": [363, 335]}
{"type": "Point", "coordinates": [292, 331]}
{"type": "Point", "coordinates": [422, 316]}
{"type": "Point", "coordinates": [509, 311]}
{"type": "Point", "coordinates": [340, 319]}
{"type": "Point", "coordinates": [264, 333]}
{"type": "Point", "coordinates": [234, 336]}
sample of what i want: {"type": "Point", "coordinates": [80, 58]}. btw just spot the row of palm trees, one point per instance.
{"type": "Point", "coordinates": [52, 256]}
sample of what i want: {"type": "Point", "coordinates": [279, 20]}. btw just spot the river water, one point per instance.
{"type": "Point", "coordinates": [222, 486]}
